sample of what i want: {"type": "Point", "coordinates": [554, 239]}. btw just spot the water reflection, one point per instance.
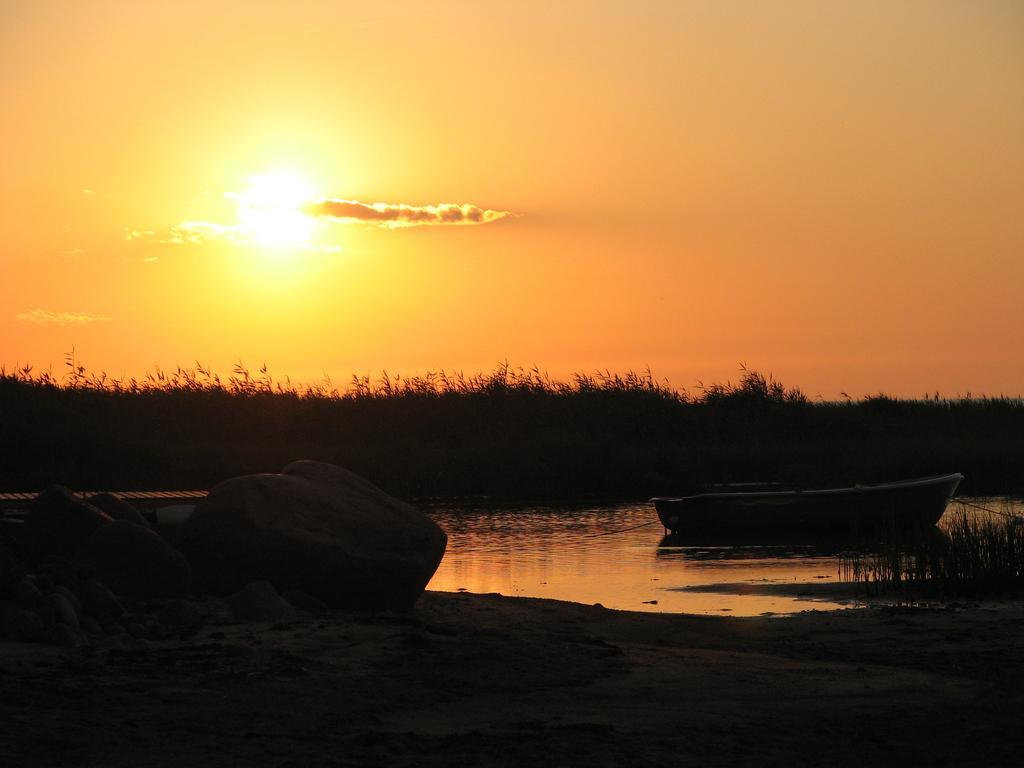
{"type": "Point", "coordinates": [618, 556]}
{"type": "Point", "coordinates": [567, 554]}
{"type": "Point", "coordinates": [674, 546]}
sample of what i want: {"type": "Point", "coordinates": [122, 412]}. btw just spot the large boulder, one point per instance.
{"type": "Point", "coordinates": [59, 523]}
{"type": "Point", "coordinates": [317, 528]}
{"type": "Point", "coordinates": [135, 561]}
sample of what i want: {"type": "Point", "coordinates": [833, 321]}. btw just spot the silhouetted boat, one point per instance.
{"type": "Point", "coordinates": [905, 507]}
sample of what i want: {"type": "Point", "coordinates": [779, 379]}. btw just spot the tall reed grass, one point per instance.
{"type": "Point", "coordinates": [972, 552]}
{"type": "Point", "coordinates": [511, 433]}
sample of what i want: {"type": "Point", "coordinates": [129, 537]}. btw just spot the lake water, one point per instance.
{"type": "Point", "coordinates": [569, 554]}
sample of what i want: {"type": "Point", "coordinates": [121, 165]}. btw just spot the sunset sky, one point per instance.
{"type": "Point", "coordinates": [833, 192]}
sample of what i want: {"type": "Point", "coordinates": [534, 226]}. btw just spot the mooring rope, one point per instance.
{"type": "Point", "coordinates": [622, 530]}
{"type": "Point", "coordinates": [1009, 515]}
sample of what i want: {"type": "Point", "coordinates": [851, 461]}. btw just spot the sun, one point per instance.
{"type": "Point", "coordinates": [271, 210]}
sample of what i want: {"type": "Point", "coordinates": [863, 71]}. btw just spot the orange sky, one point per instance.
{"type": "Point", "coordinates": [833, 192]}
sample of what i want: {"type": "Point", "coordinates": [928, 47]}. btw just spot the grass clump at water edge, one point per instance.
{"type": "Point", "coordinates": [973, 552]}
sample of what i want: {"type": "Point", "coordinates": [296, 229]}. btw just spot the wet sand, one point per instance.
{"type": "Point", "coordinates": [487, 680]}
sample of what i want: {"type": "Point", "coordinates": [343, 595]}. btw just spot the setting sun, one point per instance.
{"type": "Point", "coordinates": [270, 210]}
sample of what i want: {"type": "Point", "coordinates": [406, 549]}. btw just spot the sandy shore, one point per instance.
{"type": "Point", "coordinates": [487, 680]}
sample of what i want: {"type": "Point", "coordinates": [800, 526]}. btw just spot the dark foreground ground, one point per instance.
{"type": "Point", "coordinates": [487, 680]}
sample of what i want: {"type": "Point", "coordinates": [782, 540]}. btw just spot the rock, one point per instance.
{"type": "Point", "coordinates": [71, 598]}
{"type": "Point", "coordinates": [27, 592]}
{"type": "Point", "coordinates": [167, 521]}
{"type": "Point", "coordinates": [305, 602]}
{"type": "Point", "coordinates": [63, 611]}
{"type": "Point", "coordinates": [46, 614]}
{"type": "Point", "coordinates": [180, 613]}
{"type": "Point", "coordinates": [59, 523]}
{"type": "Point", "coordinates": [259, 601]}
{"type": "Point", "coordinates": [12, 535]}
{"type": "Point", "coordinates": [11, 570]}
{"type": "Point", "coordinates": [317, 528]}
{"type": "Point", "coordinates": [118, 509]}
{"type": "Point", "coordinates": [57, 571]}
{"type": "Point", "coordinates": [134, 561]}
{"type": "Point", "coordinates": [65, 635]}
{"type": "Point", "coordinates": [16, 623]}
{"type": "Point", "coordinates": [91, 626]}
{"type": "Point", "coordinates": [99, 601]}
{"type": "Point", "coordinates": [114, 629]}
{"type": "Point", "coordinates": [173, 515]}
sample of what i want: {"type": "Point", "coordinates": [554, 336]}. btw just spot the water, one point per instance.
{"type": "Point", "coordinates": [566, 554]}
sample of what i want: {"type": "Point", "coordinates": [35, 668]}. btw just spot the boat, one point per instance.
{"type": "Point", "coordinates": [905, 507]}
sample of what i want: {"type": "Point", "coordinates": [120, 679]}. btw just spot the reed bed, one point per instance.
{"type": "Point", "coordinates": [512, 433]}
{"type": "Point", "coordinates": [973, 552]}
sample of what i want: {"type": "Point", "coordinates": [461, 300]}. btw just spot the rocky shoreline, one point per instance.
{"type": "Point", "coordinates": [321, 534]}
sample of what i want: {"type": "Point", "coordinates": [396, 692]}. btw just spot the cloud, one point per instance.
{"type": "Point", "coordinates": [46, 317]}
{"type": "Point", "coordinates": [200, 232]}
{"type": "Point", "coordinates": [196, 232]}
{"type": "Point", "coordinates": [272, 213]}
{"type": "Point", "coordinates": [401, 215]}
{"type": "Point", "coordinates": [189, 232]}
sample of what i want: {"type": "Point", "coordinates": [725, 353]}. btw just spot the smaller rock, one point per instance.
{"type": "Point", "coordinates": [59, 522]}
{"type": "Point", "coordinates": [100, 601]}
{"type": "Point", "coordinates": [71, 598]}
{"type": "Point", "coordinates": [47, 616]}
{"type": "Point", "coordinates": [174, 515]}
{"type": "Point", "coordinates": [17, 623]}
{"type": "Point", "coordinates": [259, 601]}
{"type": "Point", "coordinates": [134, 561]}
{"type": "Point", "coordinates": [11, 569]}
{"type": "Point", "coordinates": [180, 613]}
{"type": "Point", "coordinates": [305, 602]}
{"type": "Point", "coordinates": [63, 611]}
{"type": "Point", "coordinates": [59, 571]}
{"type": "Point", "coordinates": [118, 509]}
{"type": "Point", "coordinates": [66, 636]}
{"type": "Point", "coordinates": [137, 630]}
{"type": "Point", "coordinates": [27, 593]}
{"type": "Point", "coordinates": [12, 536]}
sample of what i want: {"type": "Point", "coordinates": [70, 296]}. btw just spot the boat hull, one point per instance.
{"type": "Point", "coordinates": [906, 508]}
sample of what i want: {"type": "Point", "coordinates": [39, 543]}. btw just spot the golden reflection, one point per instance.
{"type": "Point", "coordinates": [565, 555]}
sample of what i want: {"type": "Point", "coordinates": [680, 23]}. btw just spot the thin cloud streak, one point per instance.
{"type": "Point", "coordinates": [401, 215]}
{"type": "Point", "coordinates": [197, 232]}
{"type": "Point", "coordinates": [203, 232]}
{"type": "Point", "coordinates": [194, 232]}
{"type": "Point", "coordinates": [48, 317]}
